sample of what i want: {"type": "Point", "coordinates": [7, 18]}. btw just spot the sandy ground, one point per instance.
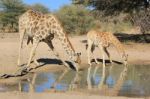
{"type": "Point", "coordinates": [56, 96]}
{"type": "Point", "coordinates": [138, 54]}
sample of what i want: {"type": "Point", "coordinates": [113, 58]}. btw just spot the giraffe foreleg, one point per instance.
{"type": "Point", "coordinates": [32, 53]}
{"type": "Point", "coordinates": [22, 32]}
{"type": "Point", "coordinates": [103, 55]}
{"type": "Point", "coordinates": [29, 47]}
{"type": "Point", "coordinates": [108, 54]}
{"type": "Point", "coordinates": [89, 51]}
{"type": "Point", "coordinates": [49, 42]}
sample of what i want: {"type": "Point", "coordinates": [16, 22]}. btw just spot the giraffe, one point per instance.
{"type": "Point", "coordinates": [44, 28]}
{"type": "Point", "coordinates": [103, 40]}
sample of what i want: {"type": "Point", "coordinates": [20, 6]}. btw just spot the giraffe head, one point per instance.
{"type": "Point", "coordinates": [77, 58]}
{"type": "Point", "coordinates": [125, 58]}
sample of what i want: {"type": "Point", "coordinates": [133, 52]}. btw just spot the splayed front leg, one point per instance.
{"type": "Point", "coordinates": [50, 44]}
{"type": "Point", "coordinates": [108, 54]}
{"type": "Point", "coordinates": [75, 65]}
{"type": "Point", "coordinates": [36, 62]}
{"type": "Point", "coordinates": [22, 32]}
{"type": "Point", "coordinates": [89, 51]}
{"type": "Point", "coordinates": [29, 47]}
{"type": "Point", "coordinates": [32, 53]}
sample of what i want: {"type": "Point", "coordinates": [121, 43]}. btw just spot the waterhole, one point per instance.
{"type": "Point", "coordinates": [131, 81]}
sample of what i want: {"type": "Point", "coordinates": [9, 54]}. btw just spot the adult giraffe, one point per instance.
{"type": "Point", "coordinates": [43, 28]}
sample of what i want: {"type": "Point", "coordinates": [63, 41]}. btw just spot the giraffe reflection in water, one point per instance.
{"type": "Point", "coordinates": [77, 82]}
{"type": "Point", "coordinates": [31, 83]}
{"type": "Point", "coordinates": [102, 86]}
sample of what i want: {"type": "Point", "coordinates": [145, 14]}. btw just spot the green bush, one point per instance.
{"type": "Point", "coordinates": [39, 7]}
{"type": "Point", "coordinates": [75, 19]}
{"type": "Point", "coordinates": [9, 13]}
{"type": "Point", "coordinates": [10, 10]}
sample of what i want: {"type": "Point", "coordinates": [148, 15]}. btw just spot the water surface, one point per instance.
{"type": "Point", "coordinates": [132, 81]}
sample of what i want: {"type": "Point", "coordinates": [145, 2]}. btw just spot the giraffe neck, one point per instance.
{"type": "Point", "coordinates": [118, 46]}
{"type": "Point", "coordinates": [66, 44]}
{"type": "Point", "coordinates": [62, 36]}
{"type": "Point", "coordinates": [120, 81]}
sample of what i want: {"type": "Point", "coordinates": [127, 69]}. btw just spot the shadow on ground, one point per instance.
{"type": "Point", "coordinates": [107, 61]}
{"type": "Point", "coordinates": [46, 61]}
{"type": "Point", "coordinates": [23, 70]}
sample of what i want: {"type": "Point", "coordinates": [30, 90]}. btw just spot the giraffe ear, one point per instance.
{"type": "Point", "coordinates": [78, 54]}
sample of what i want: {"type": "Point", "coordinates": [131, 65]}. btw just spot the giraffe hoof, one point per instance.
{"type": "Point", "coordinates": [20, 65]}
{"type": "Point", "coordinates": [97, 62]}
{"type": "Point", "coordinates": [29, 69]}
{"type": "Point", "coordinates": [37, 63]}
{"type": "Point", "coordinates": [66, 65]}
{"type": "Point", "coordinates": [89, 64]}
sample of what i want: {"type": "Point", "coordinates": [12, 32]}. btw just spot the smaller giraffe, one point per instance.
{"type": "Point", "coordinates": [103, 40]}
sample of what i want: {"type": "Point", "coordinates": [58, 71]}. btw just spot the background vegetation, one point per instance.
{"type": "Point", "coordinates": [76, 19]}
{"type": "Point", "coordinates": [10, 10]}
{"type": "Point", "coordinates": [119, 16]}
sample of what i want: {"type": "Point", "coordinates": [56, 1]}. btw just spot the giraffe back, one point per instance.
{"type": "Point", "coordinates": [105, 38]}
{"type": "Point", "coordinates": [38, 25]}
